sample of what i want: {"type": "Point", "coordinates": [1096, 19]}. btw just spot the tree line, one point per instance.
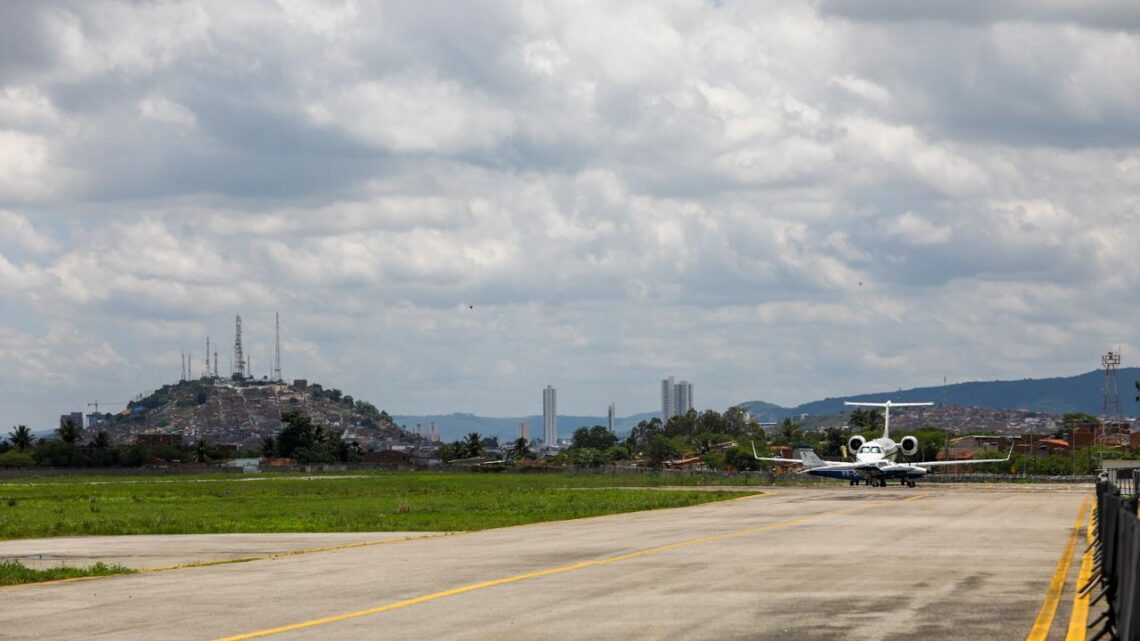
{"type": "Point", "coordinates": [300, 439]}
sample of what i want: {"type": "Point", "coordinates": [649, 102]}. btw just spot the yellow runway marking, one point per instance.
{"type": "Point", "coordinates": [550, 571]}
{"type": "Point", "coordinates": [1044, 620]}
{"type": "Point", "coordinates": [1080, 617]}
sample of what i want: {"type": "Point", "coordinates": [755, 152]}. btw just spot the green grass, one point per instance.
{"type": "Point", "coordinates": [13, 572]}
{"type": "Point", "coordinates": [420, 501]}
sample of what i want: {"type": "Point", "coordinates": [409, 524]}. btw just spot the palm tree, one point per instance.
{"type": "Point", "coordinates": [472, 445]}
{"type": "Point", "coordinates": [789, 432]}
{"type": "Point", "coordinates": [69, 432]}
{"type": "Point", "coordinates": [21, 437]}
{"type": "Point", "coordinates": [520, 448]}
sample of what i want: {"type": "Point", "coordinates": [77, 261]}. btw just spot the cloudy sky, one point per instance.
{"type": "Point", "coordinates": [455, 204]}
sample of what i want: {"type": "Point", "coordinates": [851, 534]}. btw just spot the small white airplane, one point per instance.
{"type": "Point", "coordinates": [874, 460]}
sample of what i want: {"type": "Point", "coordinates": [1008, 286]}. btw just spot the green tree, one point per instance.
{"type": "Point", "coordinates": [21, 437]}
{"type": "Point", "coordinates": [268, 446]}
{"type": "Point", "coordinates": [472, 445]}
{"type": "Point", "coordinates": [616, 453]}
{"type": "Point", "coordinates": [662, 448]}
{"type": "Point", "coordinates": [584, 457]}
{"type": "Point", "coordinates": [642, 434]}
{"type": "Point", "coordinates": [69, 432]}
{"type": "Point", "coordinates": [834, 440]}
{"type": "Point", "coordinates": [741, 459]}
{"type": "Point", "coordinates": [739, 423]}
{"type": "Point", "coordinates": [102, 440]}
{"type": "Point", "coordinates": [866, 420]}
{"type": "Point", "coordinates": [299, 432]}
{"type": "Point", "coordinates": [683, 425]}
{"type": "Point", "coordinates": [201, 451]}
{"type": "Point", "coordinates": [519, 449]}
{"type": "Point", "coordinates": [448, 452]}
{"type": "Point", "coordinates": [597, 437]}
{"type": "Point", "coordinates": [788, 432]}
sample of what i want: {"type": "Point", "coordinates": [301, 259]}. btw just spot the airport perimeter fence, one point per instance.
{"type": "Point", "coordinates": [1117, 570]}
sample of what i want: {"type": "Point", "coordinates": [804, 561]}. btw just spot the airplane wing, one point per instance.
{"type": "Point", "coordinates": [969, 462]}
{"type": "Point", "coordinates": [774, 459]}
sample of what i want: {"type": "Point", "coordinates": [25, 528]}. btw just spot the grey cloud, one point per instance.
{"type": "Point", "coordinates": [1103, 14]}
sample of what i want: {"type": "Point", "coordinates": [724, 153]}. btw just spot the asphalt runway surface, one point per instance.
{"type": "Point", "coordinates": [934, 562]}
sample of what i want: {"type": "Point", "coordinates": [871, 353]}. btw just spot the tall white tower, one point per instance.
{"type": "Point", "coordinates": [683, 394]}
{"type": "Point", "coordinates": [550, 416]}
{"type": "Point", "coordinates": [676, 398]}
{"type": "Point", "coordinates": [668, 399]}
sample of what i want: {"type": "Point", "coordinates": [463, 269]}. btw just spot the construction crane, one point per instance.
{"type": "Point", "coordinates": [95, 404]}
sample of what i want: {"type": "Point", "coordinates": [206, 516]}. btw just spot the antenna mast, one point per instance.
{"type": "Point", "coordinates": [277, 347]}
{"type": "Point", "coordinates": [1110, 362]}
{"type": "Point", "coordinates": [239, 357]}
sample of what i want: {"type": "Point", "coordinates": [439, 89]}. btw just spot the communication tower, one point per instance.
{"type": "Point", "coordinates": [1110, 362]}
{"type": "Point", "coordinates": [277, 346]}
{"type": "Point", "coordinates": [239, 356]}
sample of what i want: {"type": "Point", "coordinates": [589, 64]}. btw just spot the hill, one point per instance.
{"type": "Point", "coordinates": [224, 412]}
{"type": "Point", "coordinates": [1060, 395]}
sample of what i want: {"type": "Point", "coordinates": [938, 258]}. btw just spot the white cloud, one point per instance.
{"type": "Point", "coordinates": [914, 229]}
{"type": "Point", "coordinates": [17, 233]}
{"type": "Point", "coordinates": [414, 114]}
{"type": "Point", "coordinates": [862, 88]}
{"type": "Point", "coordinates": [167, 112]}
{"type": "Point", "coordinates": [25, 161]}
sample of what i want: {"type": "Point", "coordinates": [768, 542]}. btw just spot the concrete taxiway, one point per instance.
{"type": "Point", "coordinates": [933, 562]}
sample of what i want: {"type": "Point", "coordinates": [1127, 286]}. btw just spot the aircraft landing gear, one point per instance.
{"type": "Point", "coordinates": [910, 483]}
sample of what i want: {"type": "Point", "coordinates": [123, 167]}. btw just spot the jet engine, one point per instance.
{"type": "Point", "coordinates": [854, 443]}
{"type": "Point", "coordinates": [909, 445]}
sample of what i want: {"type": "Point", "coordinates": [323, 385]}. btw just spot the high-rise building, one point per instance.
{"type": "Point", "coordinates": [550, 416]}
{"type": "Point", "coordinates": [73, 417]}
{"type": "Point", "coordinates": [524, 430]}
{"type": "Point", "coordinates": [676, 398]}
{"type": "Point", "coordinates": [684, 397]}
{"type": "Point", "coordinates": [612, 419]}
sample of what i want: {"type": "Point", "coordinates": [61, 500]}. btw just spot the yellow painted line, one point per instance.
{"type": "Point", "coordinates": [1044, 620]}
{"type": "Point", "coordinates": [547, 572]}
{"type": "Point", "coordinates": [1078, 622]}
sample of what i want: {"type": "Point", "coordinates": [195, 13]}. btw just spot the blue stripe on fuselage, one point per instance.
{"type": "Point", "coordinates": [853, 475]}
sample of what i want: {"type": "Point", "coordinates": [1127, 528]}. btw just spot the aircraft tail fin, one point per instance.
{"type": "Point", "coordinates": [810, 458]}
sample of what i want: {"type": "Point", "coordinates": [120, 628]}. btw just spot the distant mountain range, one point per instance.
{"type": "Point", "coordinates": [1083, 393]}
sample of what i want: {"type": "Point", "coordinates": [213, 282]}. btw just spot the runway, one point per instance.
{"type": "Point", "coordinates": [935, 562]}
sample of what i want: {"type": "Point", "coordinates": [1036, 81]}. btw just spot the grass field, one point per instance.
{"type": "Point", "coordinates": [420, 501]}
{"type": "Point", "coordinates": [13, 573]}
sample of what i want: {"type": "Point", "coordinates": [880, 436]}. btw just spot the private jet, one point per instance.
{"type": "Point", "coordinates": [874, 461]}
